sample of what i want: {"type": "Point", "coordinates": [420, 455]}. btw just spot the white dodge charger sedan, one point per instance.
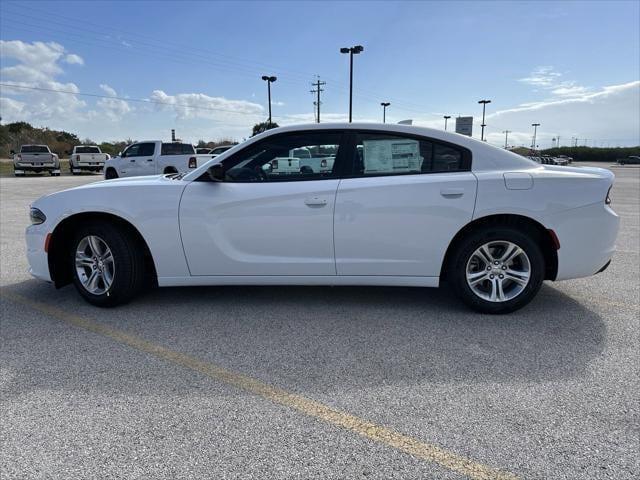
{"type": "Point", "coordinates": [393, 205]}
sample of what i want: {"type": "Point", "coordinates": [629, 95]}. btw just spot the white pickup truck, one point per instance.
{"type": "Point", "coordinates": [152, 158]}
{"type": "Point", "coordinates": [88, 158]}
{"type": "Point", "coordinates": [35, 158]}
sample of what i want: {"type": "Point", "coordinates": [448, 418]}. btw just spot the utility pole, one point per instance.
{"type": "Point", "coordinates": [384, 111]}
{"type": "Point", "coordinates": [446, 117]}
{"type": "Point", "coordinates": [351, 51]}
{"type": "Point", "coordinates": [269, 80]}
{"type": "Point", "coordinates": [506, 137]}
{"type": "Point", "coordinates": [318, 84]}
{"type": "Point", "coordinates": [535, 131]}
{"type": "Point", "coordinates": [484, 105]}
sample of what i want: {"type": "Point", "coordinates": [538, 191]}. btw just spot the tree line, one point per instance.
{"type": "Point", "coordinates": [13, 135]}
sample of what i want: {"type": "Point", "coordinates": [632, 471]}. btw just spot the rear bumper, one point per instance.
{"type": "Point", "coordinates": [29, 167]}
{"type": "Point", "coordinates": [587, 239]}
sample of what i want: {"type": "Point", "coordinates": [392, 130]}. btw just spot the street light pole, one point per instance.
{"type": "Point", "coordinates": [506, 137]}
{"type": "Point", "coordinates": [269, 80]}
{"type": "Point", "coordinates": [484, 105]}
{"type": "Point", "coordinates": [446, 117]}
{"type": "Point", "coordinates": [384, 111]}
{"type": "Point", "coordinates": [351, 51]}
{"type": "Point", "coordinates": [535, 131]}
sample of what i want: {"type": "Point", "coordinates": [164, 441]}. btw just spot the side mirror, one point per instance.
{"type": "Point", "coordinates": [216, 172]}
{"type": "Point", "coordinates": [12, 152]}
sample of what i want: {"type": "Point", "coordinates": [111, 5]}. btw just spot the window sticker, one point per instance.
{"type": "Point", "coordinates": [391, 156]}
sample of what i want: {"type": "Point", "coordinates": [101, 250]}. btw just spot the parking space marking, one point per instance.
{"type": "Point", "coordinates": [378, 433]}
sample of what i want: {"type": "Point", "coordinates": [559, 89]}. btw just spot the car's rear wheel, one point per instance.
{"type": "Point", "coordinates": [110, 173]}
{"type": "Point", "coordinates": [497, 270]}
{"type": "Point", "coordinates": [107, 264]}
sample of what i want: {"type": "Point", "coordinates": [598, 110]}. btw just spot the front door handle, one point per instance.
{"type": "Point", "coordinates": [133, 160]}
{"type": "Point", "coordinates": [315, 202]}
{"type": "Point", "coordinates": [149, 159]}
{"type": "Point", "coordinates": [452, 192]}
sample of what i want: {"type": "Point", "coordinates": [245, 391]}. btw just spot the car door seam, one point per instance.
{"type": "Point", "coordinates": [333, 226]}
{"type": "Point", "coordinates": [184, 251]}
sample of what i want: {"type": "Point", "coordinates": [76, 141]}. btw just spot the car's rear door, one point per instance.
{"type": "Point", "coordinates": [259, 222]}
{"type": "Point", "coordinates": [401, 204]}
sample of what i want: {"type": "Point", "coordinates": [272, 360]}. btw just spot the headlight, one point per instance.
{"type": "Point", "coordinates": [607, 200]}
{"type": "Point", "coordinates": [36, 215]}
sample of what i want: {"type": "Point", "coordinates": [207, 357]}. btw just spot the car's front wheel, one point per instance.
{"type": "Point", "coordinates": [108, 268]}
{"type": "Point", "coordinates": [497, 270]}
{"type": "Point", "coordinates": [110, 174]}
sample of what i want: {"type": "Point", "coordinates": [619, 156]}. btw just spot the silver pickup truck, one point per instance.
{"type": "Point", "coordinates": [87, 158]}
{"type": "Point", "coordinates": [35, 158]}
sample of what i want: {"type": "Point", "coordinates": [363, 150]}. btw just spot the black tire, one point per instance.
{"type": "Point", "coordinates": [129, 266]}
{"type": "Point", "coordinates": [457, 268]}
{"type": "Point", "coordinates": [110, 174]}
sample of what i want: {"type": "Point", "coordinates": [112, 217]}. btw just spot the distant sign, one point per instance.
{"type": "Point", "coordinates": [464, 125]}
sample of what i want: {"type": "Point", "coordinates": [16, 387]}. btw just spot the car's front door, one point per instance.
{"type": "Point", "coordinates": [405, 200]}
{"type": "Point", "coordinates": [263, 220]}
{"type": "Point", "coordinates": [138, 159]}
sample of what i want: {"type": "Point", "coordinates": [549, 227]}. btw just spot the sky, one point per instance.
{"type": "Point", "coordinates": [126, 69]}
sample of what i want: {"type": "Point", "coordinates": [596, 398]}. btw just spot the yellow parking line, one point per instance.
{"type": "Point", "coordinates": [372, 431]}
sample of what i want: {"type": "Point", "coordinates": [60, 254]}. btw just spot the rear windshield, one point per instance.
{"type": "Point", "coordinates": [177, 149]}
{"type": "Point", "coordinates": [87, 150]}
{"type": "Point", "coordinates": [34, 149]}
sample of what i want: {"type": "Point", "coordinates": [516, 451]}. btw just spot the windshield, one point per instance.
{"type": "Point", "coordinates": [34, 149]}
{"type": "Point", "coordinates": [87, 150]}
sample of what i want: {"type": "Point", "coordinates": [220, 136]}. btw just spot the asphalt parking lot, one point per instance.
{"type": "Point", "coordinates": [292, 382]}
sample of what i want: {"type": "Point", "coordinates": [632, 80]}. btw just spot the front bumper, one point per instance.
{"type": "Point", "coordinates": [36, 236]}
{"type": "Point", "coordinates": [587, 239]}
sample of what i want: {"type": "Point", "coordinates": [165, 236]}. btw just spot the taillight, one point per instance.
{"type": "Point", "coordinates": [323, 162]}
{"type": "Point", "coordinates": [19, 157]}
{"type": "Point", "coordinates": [193, 163]}
{"type": "Point", "coordinates": [607, 200]}
{"type": "Point", "coordinates": [78, 158]}
{"type": "Point", "coordinates": [274, 164]}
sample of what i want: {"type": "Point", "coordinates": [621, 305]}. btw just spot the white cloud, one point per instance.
{"type": "Point", "coordinates": [542, 77]}
{"type": "Point", "coordinates": [112, 108]}
{"type": "Point", "coordinates": [608, 115]}
{"type": "Point", "coordinates": [199, 105]}
{"type": "Point", "coordinates": [74, 59]}
{"type": "Point", "coordinates": [35, 67]}
{"type": "Point", "coordinates": [108, 90]}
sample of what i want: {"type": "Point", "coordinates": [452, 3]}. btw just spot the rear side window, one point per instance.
{"type": "Point", "coordinates": [381, 154]}
{"type": "Point", "coordinates": [177, 149]}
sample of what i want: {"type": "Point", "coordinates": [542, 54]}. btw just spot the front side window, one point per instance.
{"type": "Point", "coordinates": [381, 154]}
{"type": "Point", "coordinates": [279, 158]}
{"type": "Point", "coordinates": [132, 151]}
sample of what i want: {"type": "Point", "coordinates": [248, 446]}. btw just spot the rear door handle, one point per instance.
{"type": "Point", "coordinates": [149, 159]}
{"type": "Point", "coordinates": [452, 192]}
{"type": "Point", "coordinates": [315, 202]}
{"type": "Point", "coordinates": [133, 160]}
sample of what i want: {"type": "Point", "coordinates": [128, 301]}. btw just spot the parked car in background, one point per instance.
{"type": "Point", "coordinates": [87, 158]}
{"type": "Point", "coordinates": [153, 157]}
{"type": "Point", "coordinates": [394, 209]}
{"type": "Point", "coordinates": [35, 158]}
{"type": "Point", "coordinates": [221, 149]}
{"type": "Point", "coordinates": [203, 150]}
{"type": "Point", "coordinates": [630, 160]}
